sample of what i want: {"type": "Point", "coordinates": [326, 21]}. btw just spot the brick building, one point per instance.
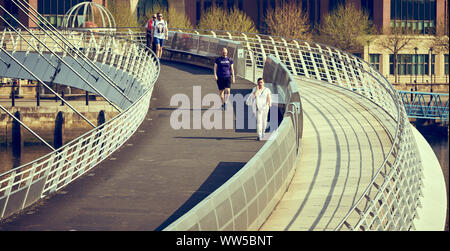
{"type": "Point", "coordinates": [418, 62]}
{"type": "Point", "coordinates": [53, 10]}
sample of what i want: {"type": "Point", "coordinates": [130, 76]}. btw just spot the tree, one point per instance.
{"type": "Point", "coordinates": [216, 18]}
{"type": "Point", "coordinates": [346, 28]}
{"type": "Point", "coordinates": [122, 13]}
{"type": "Point", "coordinates": [440, 41]}
{"type": "Point", "coordinates": [288, 20]}
{"type": "Point", "coordinates": [395, 40]}
{"type": "Point", "coordinates": [178, 20]}
{"type": "Point", "coordinates": [171, 15]}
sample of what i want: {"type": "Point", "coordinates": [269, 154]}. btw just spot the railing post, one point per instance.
{"type": "Point", "coordinates": [325, 64]}
{"type": "Point", "coordinates": [302, 60]}
{"type": "Point", "coordinates": [291, 62]}
{"type": "Point", "coordinates": [275, 48]}
{"type": "Point", "coordinates": [313, 61]}
{"type": "Point", "coordinates": [261, 46]}
{"type": "Point", "coordinates": [8, 192]}
{"type": "Point", "coordinates": [73, 163]}
{"type": "Point", "coordinates": [28, 183]}
{"type": "Point", "coordinates": [59, 166]}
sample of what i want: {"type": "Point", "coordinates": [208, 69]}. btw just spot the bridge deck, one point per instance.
{"type": "Point", "coordinates": [342, 147]}
{"type": "Point", "coordinates": [160, 172]}
{"type": "Point", "coordinates": [157, 175]}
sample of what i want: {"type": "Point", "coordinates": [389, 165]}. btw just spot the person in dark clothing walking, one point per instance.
{"type": "Point", "coordinates": [149, 27]}
{"type": "Point", "coordinates": [224, 75]}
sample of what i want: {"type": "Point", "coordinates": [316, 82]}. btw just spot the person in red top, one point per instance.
{"type": "Point", "coordinates": [149, 26]}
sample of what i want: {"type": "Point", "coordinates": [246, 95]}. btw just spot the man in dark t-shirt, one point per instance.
{"type": "Point", "coordinates": [224, 75]}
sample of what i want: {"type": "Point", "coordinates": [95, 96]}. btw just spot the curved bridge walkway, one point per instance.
{"type": "Point", "coordinates": [343, 145]}
{"type": "Point", "coordinates": [158, 175]}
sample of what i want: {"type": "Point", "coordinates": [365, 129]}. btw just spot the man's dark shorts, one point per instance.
{"type": "Point", "coordinates": [223, 82]}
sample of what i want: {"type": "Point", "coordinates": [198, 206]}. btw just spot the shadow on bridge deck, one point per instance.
{"type": "Point", "coordinates": [156, 176]}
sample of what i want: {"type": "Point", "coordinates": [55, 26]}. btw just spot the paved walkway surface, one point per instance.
{"type": "Point", "coordinates": [156, 176]}
{"type": "Point", "coordinates": [343, 145]}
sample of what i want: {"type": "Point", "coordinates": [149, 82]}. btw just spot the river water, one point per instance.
{"type": "Point", "coordinates": [437, 136]}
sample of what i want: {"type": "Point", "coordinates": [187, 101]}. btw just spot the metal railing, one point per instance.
{"type": "Point", "coordinates": [391, 199]}
{"type": "Point", "coordinates": [28, 183]}
{"type": "Point", "coordinates": [388, 203]}
{"type": "Point", "coordinates": [425, 105]}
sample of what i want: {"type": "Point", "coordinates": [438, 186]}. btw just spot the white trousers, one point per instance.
{"type": "Point", "coordinates": [261, 121]}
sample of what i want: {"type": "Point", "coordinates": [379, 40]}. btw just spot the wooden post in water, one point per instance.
{"type": "Point", "coordinates": [101, 118]}
{"type": "Point", "coordinates": [16, 131]}
{"type": "Point", "coordinates": [13, 94]}
{"type": "Point", "coordinates": [38, 94]}
{"type": "Point", "coordinates": [58, 133]}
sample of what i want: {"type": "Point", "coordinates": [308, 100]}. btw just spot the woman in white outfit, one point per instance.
{"type": "Point", "coordinates": [260, 101]}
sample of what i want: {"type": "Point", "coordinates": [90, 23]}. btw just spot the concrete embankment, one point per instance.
{"type": "Point", "coordinates": [52, 120]}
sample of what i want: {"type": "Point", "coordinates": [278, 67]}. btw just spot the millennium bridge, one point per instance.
{"type": "Point", "coordinates": [341, 153]}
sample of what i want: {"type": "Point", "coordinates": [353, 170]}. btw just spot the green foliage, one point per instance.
{"type": "Point", "coordinates": [122, 13]}
{"type": "Point", "coordinates": [346, 28]}
{"type": "Point", "coordinates": [288, 20]}
{"type": "Point", "coordinates": [172, 16]}
{"type": "Point", "coordinates": [178, 20]}
{"type": "Point", "coordinates": [219, 19]}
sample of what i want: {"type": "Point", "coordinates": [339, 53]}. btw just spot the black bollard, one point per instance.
{"type": "Point", "coordinates": [62, 96]}
{"type": "Point", "coordinates": [100, 121]}
{"type": "Point", "coordinates": [38, 94]}
{"type": "Point", "coordinates": [58, 133]}
{"type": "Point", "coordinates": [17, 142]}
{"type": "Point", "coordinates": [101, 118]}
{"type": "Point", "coordinates": [87, 98]}
{"type": "Point", "coordinates": [13, 94]}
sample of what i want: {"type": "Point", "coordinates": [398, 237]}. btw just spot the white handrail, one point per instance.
{"type": "Point", "coordinates": [55, 170]}
{"type": "Point", "coordinates": [322, 62]}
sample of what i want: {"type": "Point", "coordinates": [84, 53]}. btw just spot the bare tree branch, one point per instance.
{"type": "Point", "coordinates": [122, 14]}
{"type": "Point", "coordinates": [440, 41]}
{"type": "Point", "coordinates": [346, 28]}
{"type": "Point", "coordinates": [216, 18]}
{"type": "Point", "coordinates": [288, 20]}
{"type": "Point", "coordinates": [172, 16]}
{"type": "Point", "coordinates": [395, 40]}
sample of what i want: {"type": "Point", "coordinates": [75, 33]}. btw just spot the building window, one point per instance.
{"type": "Point", "coordinates": [446, 64]}
{"type": "Point", "coordinates": [13, 11]}
{"type": "Point", "coordinates": [54, 11]}
{"type": "Point", "coordinates": [417, 15]}
{"type": "Point", "coordinates": [412, 64]}
{"type": "Point", "coordinates": [374, 60]}
{"type": "Point", "coordinates": [367, 5]}
{"type": "Point", "coordinates": [332, 5]}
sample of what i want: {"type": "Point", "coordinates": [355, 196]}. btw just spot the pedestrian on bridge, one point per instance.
{"type": "Point", "coordinates": [160, 33]}
{"type": "Point", "coordinates": [224, 75]}
{"type": "Point", "coordinates": [149, 27]}
{"type": "Point", "coordinates": [260, 100]}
